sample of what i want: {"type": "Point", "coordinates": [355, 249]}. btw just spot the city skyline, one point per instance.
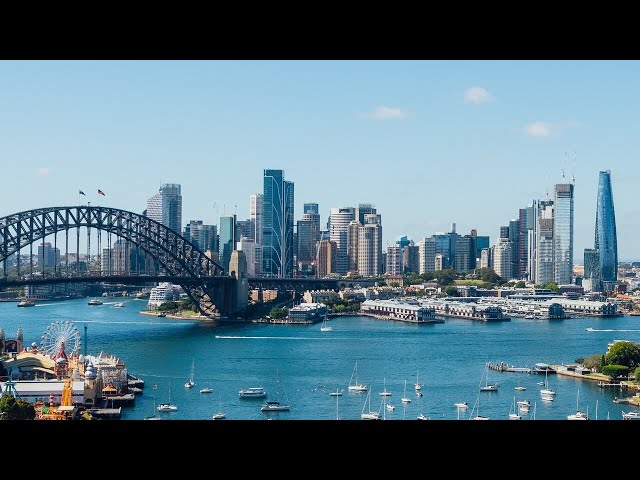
{"type": "Point", "coordinates": [426, 142]}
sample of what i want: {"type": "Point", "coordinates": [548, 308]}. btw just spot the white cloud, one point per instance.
{"type": "Point", "coordinates": [547, 129]}
{"type": "Point", "coordinates": [385, 113]}
{"type": "Point", "coordinates": [42, 171]}
{"type": "Point", "coordinates": [538, 129]}
{"type": "Point", "coordinates": [477, 95]}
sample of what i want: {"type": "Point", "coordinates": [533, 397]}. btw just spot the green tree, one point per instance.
{"type": "Point", "coordinates": [394, 284]}
{"type": "Point", "coordinates": [278, 312]}
{"type": "Point", "coordinates": [16, 408]}
{"type": "Point", "coordinates": [624, 353]}
{"type": "Point", "coordinates": [452, 291]}
{"type": "Point", "coordinates": [488, 275]}
{"type": "Point", "coordinates": [445, 277]}
{"type": "Point", "coordinates": [615, 371]}
{"type": "Point", "coordinates": [520, 284]}
{"type": "Point", "coordinates": [553, 286]}
{"type": "Point", "coordinates": [187, 304]}
{"type": "Point", "coordinates": [637, 375]}
{"type": "Point", "coordinates": [168, 307]}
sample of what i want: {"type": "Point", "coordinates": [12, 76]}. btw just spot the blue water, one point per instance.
{"type": "Point", "coordinates": [449, 359]}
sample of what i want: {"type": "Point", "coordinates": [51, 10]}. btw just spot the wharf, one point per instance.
{"type": "Point", "coordinates": [127, 398]}
{"type": "Point", "coordinates": [133, 381]}
{"type": "Point", "coordinates": [385, 317]}
{"type": "Point", "coordinates": [106, 412]}
{"type": "Point", "coordinates": [503, 367]}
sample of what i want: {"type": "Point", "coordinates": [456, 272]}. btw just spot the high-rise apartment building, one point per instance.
{"type": "Point", "coordinates": [427, 255]}
{"type": "Point", "coordinates": [205, 237]}
{"type": "Point", "coordinates": [394, 260]}
{"type": "Point", "coordinates": [502, 258]}
{"type": "Point", "coordinates": [307, 239]}
{"type": "Point", "coordinates": [606, 240]}
{"type": "Point", "coordinates": [563, 234]}
{"type": "Point", "coordinates": [370, 246]}
{"type": "Point", "coordinates": [339, 220]}
{"type": "Point", "coordinates": [278, 210]}
{"type": "Point", "coordinates": [353, 235]}
{"type": "Point", "coordinates": [165, 207]}
{"type": "Point", "coordinates": [327, 258]}
{"type": "Point", "coordinates": [411, 258]}
{"type": "Point", "coordinates": [362, 210]}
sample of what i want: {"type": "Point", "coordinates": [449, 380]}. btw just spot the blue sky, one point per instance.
{"type": "Point", "coordinates": [428, 142]}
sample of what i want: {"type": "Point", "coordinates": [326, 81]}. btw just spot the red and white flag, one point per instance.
{"type": "Point", "coordinates": [100, 192]}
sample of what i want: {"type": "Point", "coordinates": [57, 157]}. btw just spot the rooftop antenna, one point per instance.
{"type": "Point", "coordinates": [215, 205]}
{"type": "Point", "coordinates": [573, 172]}
{"type": "Point", "coordinates": [563, 162]}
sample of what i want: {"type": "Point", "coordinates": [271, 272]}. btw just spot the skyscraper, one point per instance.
{"type": "Point", "coordinates": [278, 204]}
{"type": "Point", "coordinates": [255, 217]}
{"type": "Point", "coordinates": [228, 239]}
{"type": "Point", "coordinates": [502, 258]}
{"type": "Point", "coordinates": [563, 234]}
{"type": "Point", "coordinates": [544, 243]}
{"type": "Point", "coordinates": [165, 207]}
{"type": "Point", "coordinates": [362, 210]}
{"type": "Point", "coordinates": [606, 241]}
{"type": "Point", "coordinates": [338, 225]}
{"type": "Point", "coordinates": [370, 246]}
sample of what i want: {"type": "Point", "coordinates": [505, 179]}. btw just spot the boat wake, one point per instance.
{"type": "Point", "coordinates": [242, 337]}
{"type": "Point", "coordinates": [611, 330]}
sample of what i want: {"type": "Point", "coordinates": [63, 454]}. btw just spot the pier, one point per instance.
{"type": "Point", "coordinates": [109, 413]}
{"type": "Point", "coordinates": [503, 367]}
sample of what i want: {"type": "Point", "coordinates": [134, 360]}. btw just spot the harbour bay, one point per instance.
{"type": "Point", "coordinates": [449, 359]}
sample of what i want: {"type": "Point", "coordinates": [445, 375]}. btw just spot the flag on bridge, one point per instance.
{"type": "Point", "coordinates": [100, 192]}
{"type": "Point", "coordinates": [80, 192]}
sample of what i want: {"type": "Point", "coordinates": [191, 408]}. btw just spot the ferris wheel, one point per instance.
{"type": "Point", "coordinates": [57, 333]}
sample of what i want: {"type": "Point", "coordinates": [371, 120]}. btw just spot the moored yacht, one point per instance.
{"type": "Point", "coordinates": [253, 392]}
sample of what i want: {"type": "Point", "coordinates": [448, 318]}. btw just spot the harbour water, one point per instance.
{"type": "Point", "coordinates": [448, 358]}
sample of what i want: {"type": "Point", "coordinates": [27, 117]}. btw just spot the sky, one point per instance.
{"type": "Point", "coordinates": [428, 142]}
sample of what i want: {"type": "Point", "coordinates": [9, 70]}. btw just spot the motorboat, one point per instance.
{"type": "Point", "coordinates": [206, 390]}
{"type": "Point", "coordinates": [490, 388]}
{"type": "Point", "coordinates": [219, 416]}
{"type": "Point", "coordinates": [253, 392]}
{"type": "Point", "coordinates": [422, 416]}
{"type": "Point", "coordinates": [274, 406]}
{"type": "Point", "coordinates": [461, 405]}
{"type": "Point", "coordinates": [631, 415]}
{"type": "Point", "coordinates": [337, 393]}
{"type": "Point", "coordinates": [578, 416]}
{"type": "Point", "coordinates": [119, 305]}
{"type": "Point", "coordinates": [520, 388]}
{"type": "Point", "coordinates": [95, 301]}
{"type": "Point", "coordinates": [26, 303]}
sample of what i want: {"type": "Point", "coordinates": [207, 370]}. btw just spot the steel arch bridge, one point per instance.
{"type": "Point", "coordinates": [177, 256]}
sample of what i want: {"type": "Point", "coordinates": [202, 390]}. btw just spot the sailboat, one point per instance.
{"type": "Point", "coordinates": [422, 416]}
{"type": "Point", "coordinates": [190, 383]}
{"type": "Point", "coordinates": [487, 387]}
{"type": "Point", "coordinates": [167, 407]}
{"type": "Point", "coordinates": [219, 415]}
{"type": "Point", "coordinates": [275, 405]}
{"type": "Point", "coordinates": [154, 416]}
{"type": "Point", "coordinates": [514, 414]}
{"type": "Point", "coordinates": [476, 407]}
{"type": "Point", "coordinates": [418, 386]}
{"type": "Point", "coordinates": [369, 415]}
{"type": "Point", "coordinates": [325, 327]}
{"type": "Point", "coordinates": [547, 393]}
{"type": "Point", "coordinates": [354, 386]}
{"type": "Point", "coordinates": [404, 398]}
{"type": "Point", "coordinates": [384, 392]}
{"type": "Point", "coordinates": [578, 415]}
{"type": "Point", "coordinates": [337, 411]}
